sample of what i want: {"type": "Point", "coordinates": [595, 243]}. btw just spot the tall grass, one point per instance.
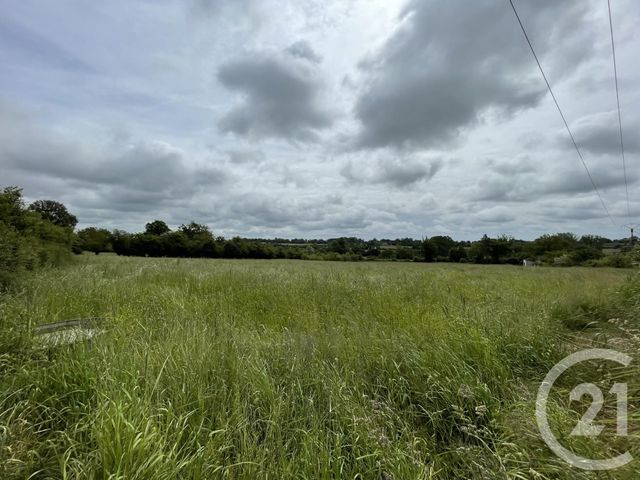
{"type": "Point", "coordinates": [282, 369]}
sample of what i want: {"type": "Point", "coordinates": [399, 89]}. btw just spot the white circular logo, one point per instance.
{"type": "Point", "coordinates": [585, 427]}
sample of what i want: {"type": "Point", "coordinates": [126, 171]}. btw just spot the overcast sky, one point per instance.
{"type": "Point", "coordinates": [321, 118]}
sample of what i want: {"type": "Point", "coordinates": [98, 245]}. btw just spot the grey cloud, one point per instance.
{"type": "Point", "coordinates": [599, 134]}
{"type": "Point", "coordinates": [564, 176]}
{"type": "Point", "coordinates": [209, 8]}
{"type": "Point", "coordinates": [302, 49]}
{"type": "Point", "coordinates": [575, 180]}
{"type": "Point", "coordinates": [498, 214]}
{"type": "Point", "coordinates": [245, 156]}
{"type": "Point", "coordinates": [579, 208]}
{"type": "Point", "coordinates": [507, 180]}
{"type": "Point", "coordinates": [268, 211]}
{"type": "Point", "coordinates": [401, 174]}
{"type": "Point", "coordinates": [396, 172]}
{"type": "Point", "coordinates": [427, 84]}
{"type": "Point", "coordinates": [282, 98]}
{"type": "Point", "coordinates": [565, 212]}
{"type": "Point", "coordinates": [497, 188]}
{"type": "Point", "coordinates": [516, 166]}
{"type": "Point", "coordinates": [133, 176]}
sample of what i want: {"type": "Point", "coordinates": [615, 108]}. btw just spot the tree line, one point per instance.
{"type": "Point", "coordinates": [196, 240]}
{"type": "Point", "coordinates": [43, 233]}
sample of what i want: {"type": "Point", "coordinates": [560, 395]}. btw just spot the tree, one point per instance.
{"type": "Point", "coordinates": [442, 244]}
{"type": "Point", "coordinates": [95, 240]}
{"type": "Point", "coordinates": [194, 229]}
{"type": "Point", "coordinates": [55, 212]}
{"type": "Point", "coordinates": [480, 251]}
{"type": "Point", "coordinates": [556, 244]}
{"type": "Point", "coordinates": [457, 253]}
{"type": "Point", "coordinates": [584, 253]}
{"type": "Point", "coordinates": [157, 227]}
{"type": "Point", "coordinates": [428, 250]}
{"type": "Point", "coordinates": [338, 245]}
{"type": "Point", "coordinates": [121, 242]}
{"type": "Point", "coordinates": [235, 248]}
{"type": "Point", "coordinates": [594, 241]}
{"type": "Point", "coordinates": [12, 207]}
{"type": "Point", "coordinates": [499, 248]}
{"type": "Point", "coordinates": [27, 240]}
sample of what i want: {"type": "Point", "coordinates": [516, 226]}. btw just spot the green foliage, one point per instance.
{"type": "Point", "coordinates": [480, 251]}
{"type": "Point", "coordinates": [429, 250]}
{"type": "Point", "coordinates": [55, 212]}
{"type": "Point", "coordinates": [594, 241]}
{"type": "Point", "coordinates": [96, 240]}
{"type": "Point", "coordinates": [617, 260]}
{"type": "Point", "coordinates": [582, 254]}
{"type": "Point", "coordinates": [559, 242]}
{"type": "Point", "coordinates": [157, 227]}
{"type": "Point", "coordinates": [27, 239]}
{"type": "Point", "coordinates": [457, 254]}
{"type": "Point", "coordinates": [194, 229]}
{"type": "Point", "coordinates": [196, 240]}
{"type": "Point", "coordinates": [442, 245]}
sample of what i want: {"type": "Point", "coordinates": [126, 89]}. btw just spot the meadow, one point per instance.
{"type": "Point", "coordinates": [276, 369]}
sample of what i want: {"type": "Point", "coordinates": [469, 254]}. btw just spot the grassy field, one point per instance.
{"type": "Point", "coordinates": [290, 369]}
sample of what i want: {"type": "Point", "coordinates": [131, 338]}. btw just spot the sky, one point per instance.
{"type": "Point", "coordinates": [323, 118]}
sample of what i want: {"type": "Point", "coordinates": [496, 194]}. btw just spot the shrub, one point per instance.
{"type": "Point", "coordinates": [27, 240]}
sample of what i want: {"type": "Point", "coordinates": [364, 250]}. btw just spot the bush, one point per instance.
{"type": "Point", "coordinates": [27, 240]}
{"type": "Point", "coordinates": [616, 260]}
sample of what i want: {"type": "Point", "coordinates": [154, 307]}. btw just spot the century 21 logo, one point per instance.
{"type": "Point", "coordinates": [585, 426]}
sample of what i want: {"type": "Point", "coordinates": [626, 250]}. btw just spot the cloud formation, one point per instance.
{"type": "Point", "coordinates": [281, 96]}
{"type": "Point", "coordinates": [318, 119]}
{"type": "Point", "coordinates": [302, 49]}
{"type": "Point", "coordinates": [395, 172]}
{"type": "Point", "coordinates": [599, 134]}
{"type": "Point", "coordinates": [447, 65]}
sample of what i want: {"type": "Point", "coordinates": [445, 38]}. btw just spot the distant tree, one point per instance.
{"type": "Point", "coordinates": [428, 250]}
{"type": "Point", "coordinates": [235, 248]}
{"type": "Point", "coordinates": [442, 244]}
{"type": "Point", "coordinates": [148, 245]}
{"type": "Point", "coordinates": [55, 212]}
{"type": "Point", "coordinates": [584, 253]}
{"type": "Point", "coordinates": [480, 251]}
{"type": "Point", "coordinates": [404, 253]}
{"type": "Point", "coordinates": [157, 227]}
{"type": "Point", "coordinates": [121, 242]}
{"type": "Point", "coordinates": [96, 240]}
{"type": "Point", "coordinates": [500, 248]}
{"type": "Point", "coordinates": [457, 253]}
{"type": "Point", "coordinates": [193, 229]}
{"type": "Point", "coordinates": [559, 242]}
{"type": "Point", "coordinates": [27, 240]}
{"type": "Point", "coordinates": [338, 245]}
{"type": "Point", "coordinates": [594, 241]}
{"type": "Point", "coordinates": [372, 248]}
{"type": "Point", "coordinates": [11, 207]}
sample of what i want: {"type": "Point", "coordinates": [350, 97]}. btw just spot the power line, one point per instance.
{"type": "Point", "coordinates": [584, 164]}
{"type": "Point", "coordinates": [615, 74]}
